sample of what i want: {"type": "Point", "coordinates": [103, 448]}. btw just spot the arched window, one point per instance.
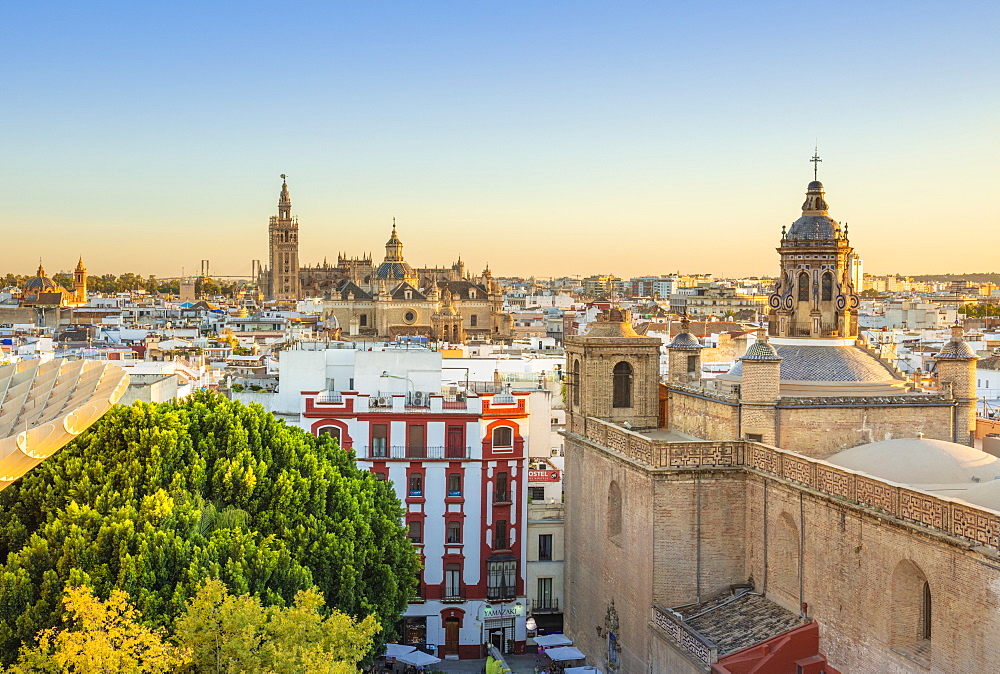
{"type": "Point", "coordinates": [576, 382]}
{"type": "Point", "coordinates": [910, 613]}
{"type": "Point", "coordinates": [503, 436]}
{"type": "Point", "coordinates": [827, 287]}
{"type": "Point", "coordinates": [622, 390]}
{"type": "Point", "coordinates": [803, 287]}
{"type": "Point", "coordinates": [329, 431]}
{"type": "Point", "coordinates": [614, 511]}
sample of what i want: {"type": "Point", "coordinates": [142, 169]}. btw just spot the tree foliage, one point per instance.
{"type": "Point", "coordinates": [156, 498]}
{"type": "Point", "coordinates": [238, 634]}
{"type": "Point", "coordinates": [102, 637]}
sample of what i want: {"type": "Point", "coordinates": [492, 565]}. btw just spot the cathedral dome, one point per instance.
{"type": "Point", "coordinates": [917, 461]}
{"type": "Point", "coordinates": [985, 494]}
{"type": "Point", "coordinates": [41, 283]}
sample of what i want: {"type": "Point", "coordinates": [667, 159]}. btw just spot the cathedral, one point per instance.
{"type": "Point", "coordinates": [387, 300]}
{"type": "Point", "coordinates": [812, 510]}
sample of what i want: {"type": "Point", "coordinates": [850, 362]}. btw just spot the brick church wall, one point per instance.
{"type": "Point", "coordinates": [822, 431]}
{"type": "Point", "coordinates": [702, 417]}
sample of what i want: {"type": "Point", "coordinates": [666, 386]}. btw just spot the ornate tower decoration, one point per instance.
{"type": "Point", "coordinates": [956, 364]}
{"type": "Point", "coordinates": [80, 283]}
{"type": "Point", "coordinates": [283, 235]}
{"type": "Point", "coordinates": [815, 294]}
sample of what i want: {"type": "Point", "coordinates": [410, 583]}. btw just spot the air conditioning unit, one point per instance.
{"type": "Point", "coordinates": [385, 401]}
{"type": "Point", "coordinates": [418, 398]}
{"type": "Point", "coordinates": [556, 451]}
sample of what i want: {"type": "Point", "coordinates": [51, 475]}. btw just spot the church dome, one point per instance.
{"type": "Point", "coordinates": [41, 283]}
{"type": "Point", "coordinates": [822, 370]}
{"type": "Point", "coordinates": [917, 461]}
{"type": "Point", "coordinates": [815, 224]}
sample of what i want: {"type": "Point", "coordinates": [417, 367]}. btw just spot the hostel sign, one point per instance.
{"type": "Point", "coordinates": [543, 476]}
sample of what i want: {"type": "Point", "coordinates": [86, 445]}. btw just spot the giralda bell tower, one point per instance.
{"type": "Point", "coordinates": [283, 234]}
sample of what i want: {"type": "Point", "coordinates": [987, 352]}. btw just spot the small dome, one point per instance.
{"type": "Point", "coordinates": [958, 350]}
{"type": "Point", "coordinates": [685, 340]}
{"type": "Point", "coordinates": [761, 350]}
{"type": "Point", "coordinates": [917, 461]}
{"type": "Point", "coordinates": [985, 494]}
{"type": "Point", "coordinates": [813, 228]}
{"type": "Point", "coordinates": [815, 186]}
{"type": "Point", "coordinates": [41, 283]}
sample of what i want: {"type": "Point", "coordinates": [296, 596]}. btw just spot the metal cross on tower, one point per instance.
{"type": "Point", "coordinates": [815, 162]}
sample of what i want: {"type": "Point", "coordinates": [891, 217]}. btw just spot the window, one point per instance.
{"type": "Point", "coordinates": [415, 630]}
{"type": "Point", "coordinates": [827, 287]}
{"type": "Point", "coordinates": [331, 432]}
{"type": "Point", "coordinates": [501, 541]}
{"type": "Point", "coordinates": [454, 484]}
{"type": "Point", "coordinates": [454, 532]}
{"type": "Point", "coordinates": [755, 437]}
{"type": "Point", "coordinates": [363, 320]}
{"type": "Point", "coordinates": [408, 294]}
{"type": "Point", "coordinates": [415, 532]}
{"type": "Point", "coordinates": [622, 393]}
{"type": "Point", "coordinates": [453, 581]}
{"type": "Point", "coordinates": [416, 485]}
{"type": "Point", "coordinates": [501, 493]}
{"type": "Point", "coordinates": [381, 476]}
{"type": "Point", "coordinates": [503, 436]}
{"type": "Point", "coordinates": [536, 493]}
{"type": "Point", "coordinates": [576, 382]}
{"type": "Point", "coordinates": [455, 442]}
{"type": "Point", "coordinates": [803, 287]}
{"type": "Point", "coordinates": [380, 440]}
{"type": "Point", "coordinates": [692, 366]}
{"type": "Point", "coordinates": [544, 547]}
{"type": "Point", "coordinates": [409, 317]}
{"type": "Point", "coordinates": [473, 320]}
{"type": "Point", "coordinates": [500, 579]}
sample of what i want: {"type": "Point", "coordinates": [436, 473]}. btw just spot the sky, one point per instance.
{"type": "Point", "coordinates": [541, 138]}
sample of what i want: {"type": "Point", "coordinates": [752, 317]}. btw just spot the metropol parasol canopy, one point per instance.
{"type": "Point", "coordinates": [45, 404]}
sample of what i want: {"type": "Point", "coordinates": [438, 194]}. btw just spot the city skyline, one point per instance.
{"type": "Point", "coordinates": [543, 140]}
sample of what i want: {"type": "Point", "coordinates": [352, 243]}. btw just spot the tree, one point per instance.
{"type": "Point", "coordinates": [103, 637]}
{"type": "Point", "coordinates": [133, 504]}
{"type": "Point", "coordinates": [235, 634]}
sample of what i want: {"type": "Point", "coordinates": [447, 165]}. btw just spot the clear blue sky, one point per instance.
{"type": "Point", "coordinates": [541, 137]}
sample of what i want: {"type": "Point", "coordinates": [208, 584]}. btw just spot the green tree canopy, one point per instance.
{"type": "Point", "coordinates": [154, 499]}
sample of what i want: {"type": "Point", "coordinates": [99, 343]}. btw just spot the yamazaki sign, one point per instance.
{"type": "Point", "coordinates": [543, 476]}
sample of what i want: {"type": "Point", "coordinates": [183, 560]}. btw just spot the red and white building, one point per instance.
{"type": "Point", "coordinates": [459, 462]}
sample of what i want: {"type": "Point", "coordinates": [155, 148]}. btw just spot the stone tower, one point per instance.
{"type": "Point", "coordinates": [613, 374]}
{"type": "Point", "coordinates": [759, 391]}
{"type": "Point", "coordinates": [283, 237]}
{"type": "Point", "coordinates": [447, 323]}
{"type": "Point", "coordinates": [956, 364]}
{"type": "Point", "coordinates": [684, 357]}
{"type": "Point", "coordinates": [80, 283]}
{"type": "Point", "coordinates": [815, 295]}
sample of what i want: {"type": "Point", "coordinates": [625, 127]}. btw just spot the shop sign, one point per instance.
{"type": "Point", "coordinates": [543, 476]}
{"type": "Point", "coordinates": [502, 611]}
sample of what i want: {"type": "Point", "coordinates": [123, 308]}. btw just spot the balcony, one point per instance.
{"type": "Point", "coordinates": [501, 593]}
{"type": "Point", "coordinates": [545, 605]}
{"type": "Point", "coordinates": [502, 498]}
{"type": "Point", "coordinates": [413, 452]}
{"type": "Point", "coordinates": [452, 593]}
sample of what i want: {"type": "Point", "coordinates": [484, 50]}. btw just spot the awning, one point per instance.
{"type": "Point", "coordinates": [565, 653]}
{"type": "Point", "coordinates": [418, 659]}
{"type": "Point", "coordinates": [395, 650]}
{"type": "Point", "coordinates": [581, 670]}
{"type": "Point", "coordinates": [550, 640]}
